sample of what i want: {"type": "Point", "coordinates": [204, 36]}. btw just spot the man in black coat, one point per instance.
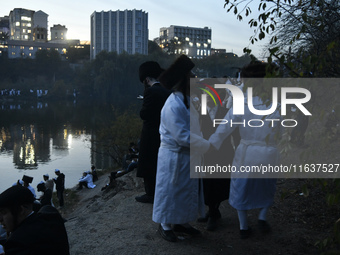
{"type": "Point", "coordinates": [31, 233]}
{"type": "Point", "coordinates": [216, 190]}
{"type": "Point", "coordinates": [155, 96]}
{"type": "Point", "coordinates": [60, 186]}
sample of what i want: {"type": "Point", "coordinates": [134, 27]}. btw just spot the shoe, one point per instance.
{"type": "Point", "coordinates": [245, 233]}
{"type": "Point", "coordinates": [190, 231]}
{"type": "Point", "coordinates": [168, 235]}
{"type": "Point", "coordinates": [212, 224]}
{"type": "Point", "coordinates": [264, 226]}
{"type": "Point", "coordinates": [145, 199]}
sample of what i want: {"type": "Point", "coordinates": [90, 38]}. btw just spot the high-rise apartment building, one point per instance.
{"type": "Point", "coordinates": [28, 25]}
{"type": "Point", "coordinates": [21, 24]}
{"type": "Point", "coordinates": [119, 31]}
{"type": "Point", "coordinates": [191, 41]}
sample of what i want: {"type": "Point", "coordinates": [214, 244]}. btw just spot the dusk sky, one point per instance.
{"type": "Point", "coordinates": [227, 32]}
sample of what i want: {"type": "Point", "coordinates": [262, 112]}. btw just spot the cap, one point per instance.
{"type": "Point", "coordinates": [57, 170]}
{"type": "Point", "coordinates": [41, 186]}
{"type": "Point", "coordinates": [46, 175]}
{"type": "Point", "coordinates": [16, 195]}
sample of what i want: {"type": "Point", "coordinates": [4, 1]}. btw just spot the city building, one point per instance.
{"type": "Point", "coordinates": [24, 49]}
{"type": "Point", "coordinates": [191, 41]}
{"type": "Point", "coordinates": [4, 25]}
{"type": "Point", "coordinates": [58, 33]}
{"type": "Point", "coordinates": [119, 31]}
{"type": "Point", "coordinates": [218, 51]}
{"type": "Point", "coordinates": [28, 25]}
{"type": "Point", "coordinates": [40, 26]}
{"type": "Point", "coordinates": [20, 24]}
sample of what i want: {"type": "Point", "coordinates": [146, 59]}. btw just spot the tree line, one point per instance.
{"type": "Point", "coordinates": [111, 77]}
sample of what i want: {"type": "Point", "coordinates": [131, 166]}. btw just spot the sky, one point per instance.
{"type": "Point", "coordinates": [227, 32]}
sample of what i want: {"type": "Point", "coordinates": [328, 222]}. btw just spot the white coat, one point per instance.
{"type": "Point", "coordinates": [89, 179]}
{"type": "Point", "coordinates": [258, 146]}
{"type": "Point", "coordinates": [178, 199]}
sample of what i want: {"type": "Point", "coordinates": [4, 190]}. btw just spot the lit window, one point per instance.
{"type": "Point", "coordinates": [39, 48]}
{"type": "Point", "coordinates": [205, 45]}
{"type": "Point", "coordinates": [13, 53]}
{"type": "Point", "coordinates": [186, 51]}
{"type": "Point", "coordinates": [191, 44]}
{"type": "Point", "coordinates": [62, 33]}
{"type": "Point", "coordinates": [29, 24]}
{"type": "Point", "coordinates": [30, 54]}
{"type": "Point", "coordinates": [26, 37]}
{"type": "Point", "coordinates": [198, 44]}
{"type": "Point", "coordinates": [24, 30]}
{"type": "Point", "coordinates": [209, 41]}
{"type": "Point", "coordinates": [48, 48]}
{"type": "Point", "coordinates": [23, 54]}
{"type": "Point", "coordinates": [198, 52]}
{"type": "Point", "coordinates": [187, 39]}
{"type": "Point", "coordinates": [64, 50]}
{"type": "Point", "coordinates": [26, 18]}
{"type": "Point", "coordinates": [62, 38]}
{"type": "Point", "coordinates": [17, 24]}
{"type": "Point", "coordinates": [22, 47]}
{"type": "Point", "coordinates": [29, 31]}
{"type": "Point", "coordinates": [30, 48]}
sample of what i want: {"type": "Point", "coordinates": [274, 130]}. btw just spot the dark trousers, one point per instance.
{"type": "Point", "coordinates": [150, 185]}
{"type": "Point", "coordinates": [60, 195]}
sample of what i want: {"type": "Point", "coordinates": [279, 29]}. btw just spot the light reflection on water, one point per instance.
{"type": "Point", "coordinates": [42, 143]}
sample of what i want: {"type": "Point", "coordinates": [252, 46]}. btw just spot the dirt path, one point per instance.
{"type": "Point", "coordinates": [112, 222]}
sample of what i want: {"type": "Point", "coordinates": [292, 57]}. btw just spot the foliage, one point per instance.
{"type": "Point", "coordinates": [114, 139]}
{"type": "Point", "coordinates": [304, 35]}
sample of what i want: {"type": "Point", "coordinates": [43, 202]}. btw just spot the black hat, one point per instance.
{"type": "Point", "coordinates": [16, 195]}
{"type": "Point", "coordinates": [27, 179]}
{"type": "Point", "coordinates": [176, 71]}
{"type": "Point", "coordinates": [149, 69]}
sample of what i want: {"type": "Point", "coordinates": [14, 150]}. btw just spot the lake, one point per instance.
{"type": "Point", "coordinates": [38, 137]}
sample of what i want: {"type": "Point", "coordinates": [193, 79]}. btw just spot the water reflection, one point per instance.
{"type": "Point", "coordinates": [36, 140]}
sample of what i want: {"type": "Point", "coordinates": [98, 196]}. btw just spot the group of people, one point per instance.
{"type": "Point", "coordinates": [33, 225]}
{"type": "Point", "coordinates": [175, 136]}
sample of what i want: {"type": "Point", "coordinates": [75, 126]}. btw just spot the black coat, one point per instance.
{"type": "Point", "coordinates": [39, 234]}
{"type": "Point", "coordinates": [60, 182]}
{"type": "Point", "coordinates": [217, 190]}
{"type": "Point", "coordinates": [154, 99]}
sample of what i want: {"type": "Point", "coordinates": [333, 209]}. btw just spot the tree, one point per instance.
{"type": "Point", "coordinates": [115, 139]}
{"type": "Point", "coordinates": [304, 35]}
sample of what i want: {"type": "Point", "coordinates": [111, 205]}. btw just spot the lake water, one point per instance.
{"type": "Point", "coordinates": [36, 138]}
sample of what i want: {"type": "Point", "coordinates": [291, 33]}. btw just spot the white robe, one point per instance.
{"type": "Point", "coordinates": [178, 199]}
{"type": "Point", "coordinates": [258, 146]}
{"type": "Point", "coordinates": [89, 179]}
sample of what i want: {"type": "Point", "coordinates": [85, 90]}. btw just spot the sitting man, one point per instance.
{"type": "Point", "coordinates": [28, 232]}
{"type": "Point", "coordinates": [86, 180]}
{"type": "Point", "coordinates": [46, 198]}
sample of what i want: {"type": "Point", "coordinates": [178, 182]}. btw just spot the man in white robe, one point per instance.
{"type": "Point", "coordinates": [178, 199]}
{"type": "Point", "coordinates": [257, 147]}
